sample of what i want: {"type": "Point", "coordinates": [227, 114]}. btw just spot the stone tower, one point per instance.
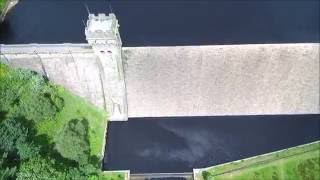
{"type": "Point", "coordinates": [102, 33]}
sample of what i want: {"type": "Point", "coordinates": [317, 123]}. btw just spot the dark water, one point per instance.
{"type": "Point", "coordinates": [164, 22]}
{"type": "Point", "coordinates": [180, 144]}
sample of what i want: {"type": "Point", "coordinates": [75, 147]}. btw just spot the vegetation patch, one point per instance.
{"type": "Point", "coordinates": [301, 162]}
{"type": "Point", "coordinates": [46, 132]}
{"type": "Point", "coordinates": [2, 4]}
{"type": "Point", "coordinates": [113, 175]}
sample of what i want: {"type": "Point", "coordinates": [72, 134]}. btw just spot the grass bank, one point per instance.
{"type": "Point", "coordinates": [77, 108]}
{"type": "Point", "coordinates": [301, 162]}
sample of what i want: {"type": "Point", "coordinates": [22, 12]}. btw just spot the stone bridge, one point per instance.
{"type": "Point", "coordinates": [178, 80]}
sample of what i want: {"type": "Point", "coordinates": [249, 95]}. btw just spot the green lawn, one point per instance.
{"type": "Point", "coordinates": [77, 108]}
{"type": "Point", "coordinates": [300, 162]}
{"type": "Point", "coordinates": [110, 175]}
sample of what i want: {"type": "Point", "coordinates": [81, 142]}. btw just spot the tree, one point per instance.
{"type": "Point", "coordinates": [5, 171]}
{"type": "Point", "coordinates": [39, 168]}
{"type": "Point", "coordinates": [12, 132]}
{"type": "Point", "coordinates": [14, 138]}
{"type": "Point", "coordinates": [27, 150]}
{"type": "Point", "coordinates": [25, 93]}
{"type": "Point", "coordinates": [72, 142]}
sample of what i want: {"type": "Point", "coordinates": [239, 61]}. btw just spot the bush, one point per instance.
{"type": "Point", "coordinates": [14, 138]}
{"type": "Point", "coordinates": [24, 93]}
{"type": "Point", "coordinates": [35, 107]}
{"type": "Point", "coordinates": [12, 133]}
{"type": "Point", "coordinates": [27, 150]}
{"type": "Point", "coordinates": [39, 168]}
{"type": "Point", "coordinates": [72, 142]}
{"type": "Point", "coordinates": [5, 171]}
{"type": "Point", "coordinates": [75, 174]}
{"type": "Point", "coordinates": [206, 175]}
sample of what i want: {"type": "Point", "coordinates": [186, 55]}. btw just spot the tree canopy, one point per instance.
{"type": "Point", "coordinates": [30, 109]}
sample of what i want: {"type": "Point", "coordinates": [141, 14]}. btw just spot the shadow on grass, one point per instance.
{"type": "Point", "coordinates": [3, 115]}
{"type": "Point", "coordinates": [47, 149]}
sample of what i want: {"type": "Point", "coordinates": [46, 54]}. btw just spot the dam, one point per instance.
{"type": "Point", "coordinates": [188, 80]}
{"type": "Point", "coordinates": [169, 82]}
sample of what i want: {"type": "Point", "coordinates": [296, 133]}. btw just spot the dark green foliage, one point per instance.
{"type": "Point", "coordinates": [88, 169]}
{"type": "Point", "coordinates": [28, 150]}
{"type": "Point", "coordinates": [6, 172]}
{"type": "Point", "coordinates": [75, 174]}
{"type": "Point", "coordinates": [24, 93]}
{"type": "Point", "coordinates": [14, 139]}
{"type": "Point", "coordinates": [73, 142]}
{"type": "Point", "coordinates": [39, 168]}
{"type": "Point", "coordinates": [83, 172]}
{"type": "Point", "coordinates": [27, 100]}
{"type": "Point", "coordinates": [206, 175]}
{"type": "Point", "coordinates": [12, 133]}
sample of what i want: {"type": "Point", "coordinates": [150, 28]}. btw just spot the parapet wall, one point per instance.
{"type": "Point", "coordinates": [188, 80]}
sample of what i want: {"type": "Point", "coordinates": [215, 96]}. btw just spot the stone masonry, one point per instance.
{"type": "Point", "coordinates": [102, 33]}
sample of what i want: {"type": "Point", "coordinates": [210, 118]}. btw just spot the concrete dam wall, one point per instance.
{"type": "Point", "coordinates": [223, 80]}
{"type": "Point", "coordinates": [187, 80]}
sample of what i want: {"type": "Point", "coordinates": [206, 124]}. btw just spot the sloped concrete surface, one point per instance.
{"type": "Point", "coordinates": [222, 80]}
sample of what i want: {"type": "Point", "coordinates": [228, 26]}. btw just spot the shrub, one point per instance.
{"type": "Point", "coordinates": [72, 142]}
{"type": "Point", "coordinates": [27, 150]}
{"type": "Point", "coordinates": [12, 133]}
{"type": "Point", "coordinates": [75, 174]}
{"type": "Point", "coordinates": [5, 171]}
{"type": "Point", "coordinates": [35, 107]}
{"type": "Point", "coordinates": [206, 175]}
{"type": "Point", "coordinates": [14, 138]}
{"type": "Point", "coordinates": [39, 168]}
{"type": "Point", "coordinates": [24, 93]}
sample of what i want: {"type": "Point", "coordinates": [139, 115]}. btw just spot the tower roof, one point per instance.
{"type": "Point", "coordinates": [102, 27]}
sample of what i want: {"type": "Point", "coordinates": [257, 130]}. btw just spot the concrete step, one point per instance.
{"type": "Point", "coordinates": [162, 176]}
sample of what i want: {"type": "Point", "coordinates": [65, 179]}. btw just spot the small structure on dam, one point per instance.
{"type": "Point", "coordinates": [102, 33]}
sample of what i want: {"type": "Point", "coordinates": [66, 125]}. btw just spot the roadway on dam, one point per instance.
{"type": "Point", "coordinates": [145, 145]}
